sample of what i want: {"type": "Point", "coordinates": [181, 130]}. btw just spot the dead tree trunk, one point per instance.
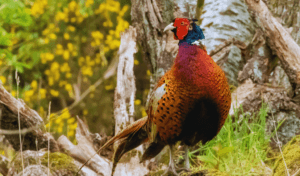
{"type": "Point", "coordinates": [31, 123]}
{"type": "Point", "coordinates": [280, 41]}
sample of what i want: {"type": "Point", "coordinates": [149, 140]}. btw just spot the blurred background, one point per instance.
{"type": "Point", "coordinates": [59, 49]}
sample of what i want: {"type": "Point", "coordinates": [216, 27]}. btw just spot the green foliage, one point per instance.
{"type": "Point", "coordinates": [240, 147]}
{"type": "Point", "coordinates": [290, 158]}
{"type": "Point", "coordinates": [14, 13]}
{"type": "Point", "coordinates": [59, 46]}
{"type": "Point", "coordinates": [59, 161]}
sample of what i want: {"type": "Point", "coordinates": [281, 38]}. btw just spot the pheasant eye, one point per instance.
{"type": "Point", "coordinates": [182, 23]}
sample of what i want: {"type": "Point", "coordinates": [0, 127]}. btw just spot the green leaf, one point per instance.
{"type": "Point", "coordinates": [14, 12]}
{"type": "Point", "coordinates": [208, 159]}
{"type": "Point", "coordinates": [225, 151]}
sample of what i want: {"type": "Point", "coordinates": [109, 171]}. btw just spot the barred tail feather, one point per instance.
{"type": "Point", "coordinates": [126, 132]}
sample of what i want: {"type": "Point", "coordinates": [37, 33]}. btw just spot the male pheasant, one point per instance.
{"type": "Point", "coordinates": [190, 103]}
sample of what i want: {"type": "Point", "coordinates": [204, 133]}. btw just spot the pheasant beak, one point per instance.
{"type": "Point", "coordinates": [169, 27]}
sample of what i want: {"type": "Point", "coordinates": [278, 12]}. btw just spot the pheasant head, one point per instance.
{"type": "Point", "coordinates": [185, 30]}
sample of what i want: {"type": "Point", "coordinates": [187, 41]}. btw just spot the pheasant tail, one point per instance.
{"type": "Point", "coordinates": [130, 138]}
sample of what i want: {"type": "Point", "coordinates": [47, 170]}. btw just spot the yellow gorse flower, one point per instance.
{"type": "Point", "coordinates": [33, 84]}
{"type": "Point", "coordinates": [38, 7]}
{"type": "Point", "coordinates": [88, 3]}
{"type": "Point", "coordinates": [3, 79]}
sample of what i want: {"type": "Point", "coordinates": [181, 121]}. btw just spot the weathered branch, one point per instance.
{"type": "Point", "coordinates": [29, 119]}
{"type": "Point", "coordinates": [279, 40]}
{"type": "Point", "coordinates": [85, 150]}
{"type": "Point", "coordinates": [125, 89]}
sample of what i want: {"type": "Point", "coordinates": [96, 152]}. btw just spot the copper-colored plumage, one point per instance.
{"type": "Point", "coordinates": [190, 103]}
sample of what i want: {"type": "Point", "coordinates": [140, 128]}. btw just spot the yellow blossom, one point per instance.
{"type": "Point", "coordinates": [54, 93]}
{"type": "Point", "coordinates": [33, 84]}
{"type": "Point", "coordinates": [79, 19]}
{"type": "Point", "coordinates": [65, 67]}
{"type": "Point", "coordinates": [58, 120]}
{"type": "Point", "coordinates": [3, 79]}
{"type": "Point", "coordinates": [97, 34]}
{"type": "Point", "coordinates": [72, 5]}
{"type": "Point", "coordinates": [60, 16]}
{"type": "Point", "coordinates": [97, 60]}
{"type": "Point", "coordinates": [73, 126]}
{"type": "Point", "coordinates": [66, 55]}
{"type": "Point", "coordinates": [88, 3]}
{"type": "Point", "coordinates": [59, 46]}
{"type": "Point", "coordinates": [68, 87]}
{"type": "Point", "coordinates": [43, 93]}
{"type": "Point", "coordinates": [71, 120]}
{"type": "Point", "coordinates": [66, 36]}
{"type": "Point", "coordinates": [124, 10]}
{"type": "Point", "coordinates": [54, 66]}
{"type": "Point", "coordinates": [73, 20]}
{"type": "Point", "coordinates": [71, 133]}
{"type": "Point", "coordinates": [41, 111]}
{"type": "Point", "coordinates": [47, 72]}
{"type": "Point", "coordinates": [13, 93]}
{"type": "Point", "coordinates": [28, 94]}
{"type": "Point", "coordinates": [46, 40]}
{"type": "Point", "coordinates": [87, 71]}
{"type": "Point", "coordinates": [136, 62]}
{"type": "Point", "coordinates": [71, 28]}
{"type": "Point", "coordinates": [50, 81]}
{"type": "Point", "coordinates": [109, 87]}
{"type": "Point", "coordinates": [59, 51]}
{"type": "Point", "coordinates": [148, 72]}
{"type": "Point", "coordinates": [69, 75]}
{"type": "Point", "coordinates": [65, 114]}
{"type": "Point", "coordinates": [60, 130]}
{"type": "Point", "coordinates": [70, 47]}
{"type": "Point", "coordinates": [52, 36]}
{"type": "Point", "coordinates": [137, 102]}
{"type": "Point", "coordinates": [80, 61]}
{"type": "Point", "coordinates": [144, 113]}
{"type": "Point", "coordinates": [61, 83]}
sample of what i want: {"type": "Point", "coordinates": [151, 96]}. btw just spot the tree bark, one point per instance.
{"type": "Point", "coordinates": [279, 40]}
{"type": "Point", "coordinates": [33, 138]}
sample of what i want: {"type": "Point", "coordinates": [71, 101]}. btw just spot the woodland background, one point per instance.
{"type": "Point", "coordinates": [61, 59]}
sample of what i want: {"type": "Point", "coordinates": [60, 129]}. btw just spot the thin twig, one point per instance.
{"type": "Point", "coordinates": [19, 121]}
{"type": "Point", "coordinates": [49, 110]}
{"type": "Point", "coordinates": [279, 146]}
{"type": "Point", "coordinates": [20, 131]}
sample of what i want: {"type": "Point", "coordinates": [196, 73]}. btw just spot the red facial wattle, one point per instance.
{"type": "Point", "coordinates": [182, 28]}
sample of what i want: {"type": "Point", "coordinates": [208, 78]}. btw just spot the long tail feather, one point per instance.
{"type": "Point", "coordinates": [130, 138]}
{"type": "Point", "coordinates": [123, 136]}
{"type": "Point", "coordinates": [126, 132]}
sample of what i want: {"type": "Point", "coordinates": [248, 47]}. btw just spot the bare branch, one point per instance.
{"type": "Point", "coordinates": [29, 123]}
{"type": "Point", "coordinates": [279, 40]}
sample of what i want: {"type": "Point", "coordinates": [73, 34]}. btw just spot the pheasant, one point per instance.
{"type": "Point", "coordinates": [190, 103]}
